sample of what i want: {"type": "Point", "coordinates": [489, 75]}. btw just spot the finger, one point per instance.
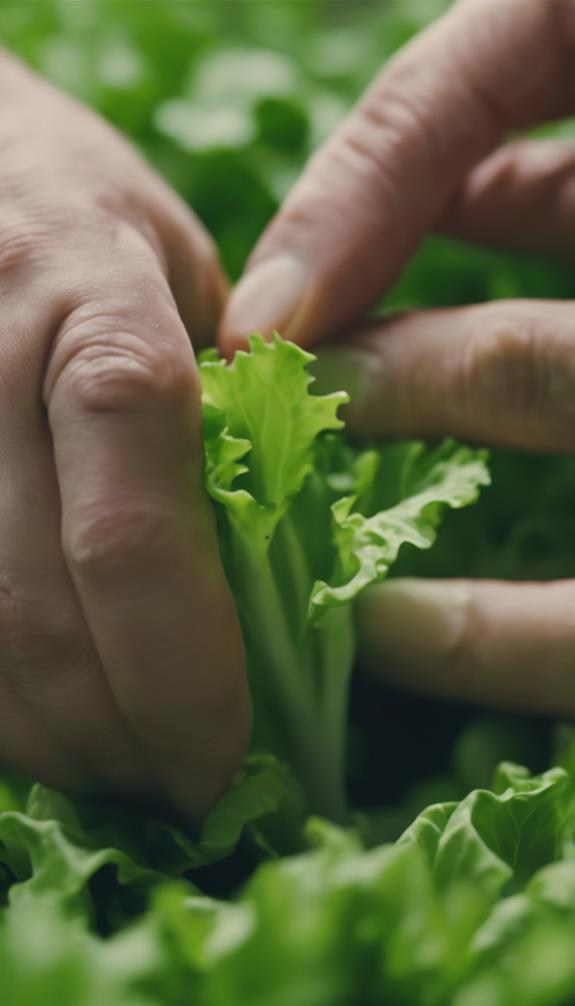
{"type": "Point", "coordinates": [123, 402]}
{"type": "Point", "coordinates": [507, 645]}
{"type": "Point", "coordinates": [195, 275]}
{"type": "Point", "coordinates": [500, 373]}
{"type": "Point", "coordinates": [47, 662]}
{"type": "Point", "coordinates": [522, 197]}
{"type": "Point", "coordinates": [185, 251]}
{"type": "Point", "coordinates": [389, 172]}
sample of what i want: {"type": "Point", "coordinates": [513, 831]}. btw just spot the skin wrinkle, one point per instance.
{"type": "Point", "coordinates": [118, 375]}
{"type": "Point", "coordinates": [388, 223]}
{"type": "Point", "coordinates": [397, 99]}
{"type": "Point", "coordinates": [500, 368]}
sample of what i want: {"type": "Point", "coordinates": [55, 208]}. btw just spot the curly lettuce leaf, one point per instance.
{"type": "Point", "coordinates": [260, 405]}
{"type": "Point", "coordinates": [368, 544]}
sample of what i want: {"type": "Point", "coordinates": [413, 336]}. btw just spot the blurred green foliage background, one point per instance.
{"type": "Point", "coordinates": [226, 97]}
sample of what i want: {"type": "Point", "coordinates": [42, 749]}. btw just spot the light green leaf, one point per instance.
{"type": "Point", "coordinates": [56, 845]}
{"type": "Point", "coordinates": [501, 840]}
{"type": "Point", "coordinates": [48, 958]}
{"type": "Point", "coordinates": [258, 792]}
{"type": "Point", "coordinates": [427, 829]}
{"type": "Point", "coordinates": [368, 544]}
{"type": "Point", "coordinates": [271, 423]}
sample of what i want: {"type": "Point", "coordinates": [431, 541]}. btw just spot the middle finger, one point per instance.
{"type": "Point", "coordinates": [48, 659]}
{"type": "Point", "coordinates": [500, 373]}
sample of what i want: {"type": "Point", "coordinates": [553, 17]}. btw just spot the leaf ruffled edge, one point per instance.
{"type": "Point", "coordinates": [369, 545]}
{"type": "Point", "coordinates": [276, 364]}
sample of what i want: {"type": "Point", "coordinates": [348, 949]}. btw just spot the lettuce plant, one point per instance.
{"type": "Point", "coordinates": [306, 522]}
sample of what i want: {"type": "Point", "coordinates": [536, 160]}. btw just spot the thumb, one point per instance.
{"type": "Point", "coordinates": [386, 176]}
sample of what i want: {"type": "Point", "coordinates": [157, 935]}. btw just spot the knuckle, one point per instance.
{"type": "Point", "coordinates": [366, 151]}
{"type": "Point", "coordinates": [550, 27]}
{"type": "Point", "coordinates": [384, 130]}
{"type": "Point", "coordinates": [121, 377]}
{"type": "Point", "coordinates": [502, 364]}
{"type": "Point", "coordinates": [20, 245]}
{"type": "Point", "coordinates": [107, 363]}
{"type": "Point", "coordinates": [106, 538]}
{"type": "Point", "coordinates": [35, 637]}
{"type": "Point", "coordinates": [393, 131]}
{"type": "Point", "coordinates": [520, 364]}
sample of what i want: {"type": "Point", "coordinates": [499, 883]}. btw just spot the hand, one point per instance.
{"type": "Point", "coordinates": [421, 152]}
{"type": "Point", "coordinates": [121, 666]}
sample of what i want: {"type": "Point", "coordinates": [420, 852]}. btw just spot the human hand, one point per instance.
{"type": "Point", "coordinates": [419, 153]}
{"type": "Point", "coordinates": [121, 662]}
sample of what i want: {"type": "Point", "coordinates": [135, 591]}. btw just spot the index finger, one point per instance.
{"type": "Point", "coordinates": [365, 200]}
{"type": "Point", "coordinates": [122, 394]}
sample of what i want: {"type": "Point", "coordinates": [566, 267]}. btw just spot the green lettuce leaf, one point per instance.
{"type": "Point", "coordinates": [56, 845]}
{"type": "Point", "coordinates": [306, 522]}
{"type": "Point", "coordinates": [49, 958]}
{"type": "Point", "coordinates": [368, 545]}
{"type": "Point", "coordinates": [414, 924]}
{"type": "Point", "coordinates": [262, 402]}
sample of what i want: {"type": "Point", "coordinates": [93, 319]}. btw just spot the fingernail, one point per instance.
{"type": "Point", "coordinates": [351, 370]}
{"type": "Point", "coordinates": [414, 622]}
{"type": "Point", "coordinates": [266, 298]}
